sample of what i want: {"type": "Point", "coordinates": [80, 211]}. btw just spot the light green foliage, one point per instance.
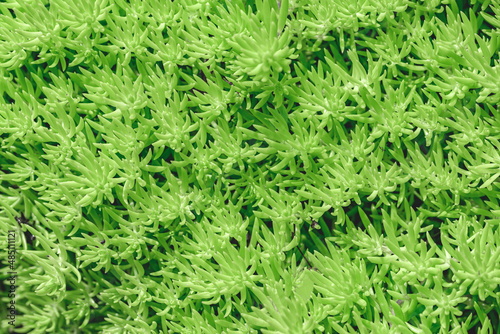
{"type": "Point", "coordinates": [253, 166]}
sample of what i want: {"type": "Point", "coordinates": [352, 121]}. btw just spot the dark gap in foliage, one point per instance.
{"type": "Point", "coordinates": [423, 146]}
{"type": "Point", "coordinates": [415, 201]}
{"type": "Point", "coordinates": [464, 6]}
{"type": "Point", "coordinates": [435, 233]}
{"type": "Point", "coordinates": [22, 220]}
{"type": "Point", "coordinates": [352, 211]}
{"type": "Point", "coordinates": [349, 125]}
{"type": "Point", "coordinates": [198, 217]}
{"type": "Point", "coordinates": [268, 223]}
{"type": "Point", "coordinates": [462, 165]}
{"type": "Point", "coordinates": [12, 12]}
{"type": "Point", "coordinates": [448, 275]}
{"type": "Point", "coordinates": [96, 317]}
{"type": "Point", "coordinates": [442, 15]}
{"type": "Point", "coordinates": [153, 265]}
{"type": "Point", "coordinates": [329, 220]}
{"type": "Point", "coordinates": [300, 253]}
{"type": "Point", "coordinates": [3, 287]}
{"type": "Point", "coordinates": [168, 155]}
{"type": "Point", "coordinates": [483, 199]}
{"type": "Point", "coordinates": [8, 100]}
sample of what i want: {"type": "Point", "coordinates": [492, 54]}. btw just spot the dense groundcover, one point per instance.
{"type": "Point", "coordinates": [318, 166]}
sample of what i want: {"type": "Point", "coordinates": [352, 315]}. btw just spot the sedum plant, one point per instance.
{"type": "Point", "coordinates": [251, 166]}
